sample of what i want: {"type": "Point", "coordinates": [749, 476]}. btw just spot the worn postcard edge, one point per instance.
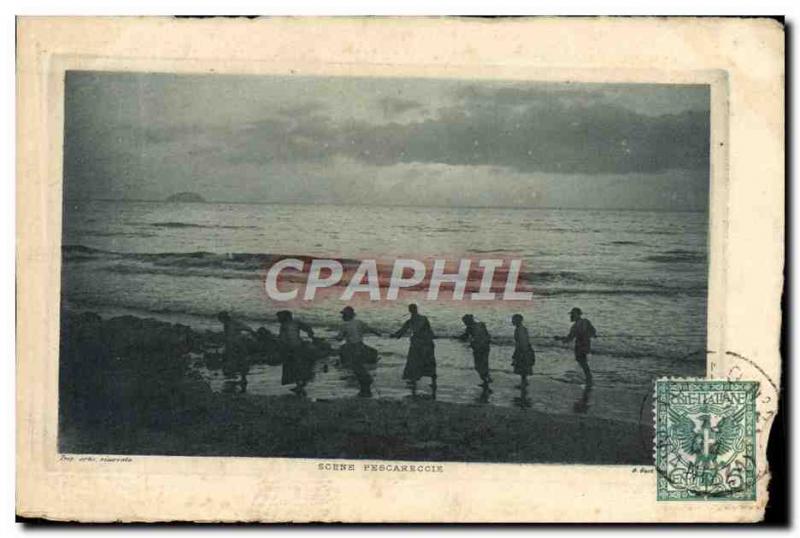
{"type": "Point", "coordinates": [742, 60]}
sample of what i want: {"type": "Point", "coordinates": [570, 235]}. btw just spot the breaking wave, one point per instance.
{"type": "Point", "coordinates": [252, 266]}
{"type": "Point", "coordinates": [678, 256]}
{"type": "Point", "coordinates": [193, 225]}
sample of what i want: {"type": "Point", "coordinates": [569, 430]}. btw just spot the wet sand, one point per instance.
{"type": "Point", "coordinates": [555, 388]}
{"type": "Point", "coordinates": [125, 372]}
{"type": "Point", "coordinates": [418, 429]}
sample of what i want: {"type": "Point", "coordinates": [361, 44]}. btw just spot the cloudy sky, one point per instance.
{"type": "Point", "coordinates": [386, 141]}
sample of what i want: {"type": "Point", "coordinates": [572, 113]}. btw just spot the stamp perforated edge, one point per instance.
{"type": "Point", "coordinates": [754, 444]}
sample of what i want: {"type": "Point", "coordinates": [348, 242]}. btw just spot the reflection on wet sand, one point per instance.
{"type": "Point", "coordinates": [412, 386]}
{"type": "Point", "coordinates": [542, 394]}
{"type": "Point", "coordinates": [485, 392]}
{"type": "Point", "coordinates": [582, 404]}
{"type": "Point", "coordinates": [522, 401]}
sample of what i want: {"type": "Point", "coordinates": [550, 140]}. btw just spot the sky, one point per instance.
{"type": "Point", "coordinates": [386, 141]}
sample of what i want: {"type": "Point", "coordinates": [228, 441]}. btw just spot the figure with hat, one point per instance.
{"type": "Point", "coordinates": [354, 353]}
{"type": "Point", "coordinates": [582, 331]}
{"type": "Point", "coordinates": [480, 342]}
{"type": "Point", "coordinates": [235, 357]}
{"type": "Point", "coordinates": [421, 360]}
{"type": "Point", "coordinates": [297, 363]}
{"type": "Point", "coordinates": [524, 356]}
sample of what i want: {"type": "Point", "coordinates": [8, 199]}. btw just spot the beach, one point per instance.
{"type": "Point", "coordinates": [639, 276]}
{"type": "Point", "coordinates": [143, 386]}
{"type": "Point", "coordinates": [409, 430]}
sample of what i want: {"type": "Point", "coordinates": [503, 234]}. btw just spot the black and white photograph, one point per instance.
{"type": "Point", "coordinates": [383, 268]}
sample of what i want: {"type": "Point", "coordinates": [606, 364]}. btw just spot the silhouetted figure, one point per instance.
{"type": "Point", "coordinates": [480, 342]}
{"type": "Point", "coordinates": [267, 345]}
{"type": "Point", "coordinates": [354, 352]}
{"type": "Point", "coordinates": [582, 332]}
{"type": "Point", "coordinates": [484, 395]}
{"type": "Point", "coordinates": [297, 363]}
{"type": "Point", "coordinates": [235, 356]}
{"type": "Point", "coordinates": [421, 360]}
{"type": "Point", "coordinates": [524, 355]}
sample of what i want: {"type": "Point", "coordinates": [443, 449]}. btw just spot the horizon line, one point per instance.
{"type": "Point", "coordinates": [563, 208]}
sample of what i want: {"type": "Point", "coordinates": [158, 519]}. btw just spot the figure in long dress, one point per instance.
{"type": "Point", "coordinates": [421, 360]}
{"type": "Point", "coordinates": [297, 363]}
{"type": "Point", "coordinates": [235, 356]}
{"type": "Point", "coordinates": [524, 356]}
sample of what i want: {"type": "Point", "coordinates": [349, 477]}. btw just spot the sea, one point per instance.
{"type": "Point", "coordinates": [639, 276]}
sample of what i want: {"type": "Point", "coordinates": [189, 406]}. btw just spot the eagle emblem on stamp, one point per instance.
{"type": "Point", "coordinates": [705, 441]}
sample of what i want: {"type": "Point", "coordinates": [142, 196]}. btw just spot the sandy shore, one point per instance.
{"type": "Point", "coordinates": [130, 386]}
{"type": "Point", "coordinates": [414, 429]}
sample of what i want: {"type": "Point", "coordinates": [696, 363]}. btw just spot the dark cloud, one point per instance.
{"type": "Point", "coordinates": [301, 138]}
{"type": "Point", "coordinates": [647, 99]}
{"type": "Point", "coordinates": [556, 136]}
{"type": "Point", "coordinates": [152, 133]}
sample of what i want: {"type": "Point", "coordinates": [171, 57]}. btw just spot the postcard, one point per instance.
{"type": "Point", "coordinates": [406, 270]}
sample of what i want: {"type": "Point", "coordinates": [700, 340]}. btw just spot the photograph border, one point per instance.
{"type": "Point", "coordinates": [49, 46]}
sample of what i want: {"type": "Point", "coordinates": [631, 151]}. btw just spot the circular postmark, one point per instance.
{"type": "Point", "coordinates": [768, 393]}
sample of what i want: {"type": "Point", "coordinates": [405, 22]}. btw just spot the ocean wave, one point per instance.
{"type": "Point", "coordinates": [194, 225]}
{"type": "Point", "coordinates": [81, 248]}
{"type": "Point", "coordinates": [248, 266]}
{"type": "Point", "coordinates": [237, 261]}
{"type": "Point", "coordinates": [678, 256]}
{"type": "Point", "coordinates": [71, 253]}
{"type": "Point", "coordinates": [440, 229]}
{"type": "Point", "coordinates": [662, 291]}
{"type": "Point", "coordinates": [488, 251]}
{"type": "Point", "coordinates": [117, 234]}
{"type": "Point", "coordinates": [610, 284]}
{"type": "Point", "coordinates": [663, 232]}
{"type": "Point", "coordinates": [182, 272]}
{"type": "Point", "coordinates": [553, 276]}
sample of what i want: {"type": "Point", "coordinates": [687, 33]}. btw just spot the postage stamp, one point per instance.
{"type": "Point", "coordinates": [705, 440]}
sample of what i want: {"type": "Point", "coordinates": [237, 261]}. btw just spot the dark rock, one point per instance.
{"type": "Point", "coordinates": [125, 369]}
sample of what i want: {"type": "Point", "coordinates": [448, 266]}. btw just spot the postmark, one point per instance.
{"type": "Point", "coordinates": [705, 441]}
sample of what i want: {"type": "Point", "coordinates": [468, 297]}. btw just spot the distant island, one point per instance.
{"type": "Point", "coordinates": [186, 197]}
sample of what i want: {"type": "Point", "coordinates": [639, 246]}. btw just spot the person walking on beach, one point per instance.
{"type": "Point", "coordinates": [297, 364]}
{"type": "Point", "coordinates": [524, 356]}
{"type": "Point", "coordinates": [421, 360]}
{"type": "Point", "coordinates": [234, 356]}
{"type": "Point", "coordinates": [582, 331]}
{"type": "Point", "coordinates": [354, 352]}
{"type": "Point", "coordinates": [480, 342]}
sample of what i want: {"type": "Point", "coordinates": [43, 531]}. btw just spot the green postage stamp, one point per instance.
{"type": "Point", "coordinates": [705, 440]}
